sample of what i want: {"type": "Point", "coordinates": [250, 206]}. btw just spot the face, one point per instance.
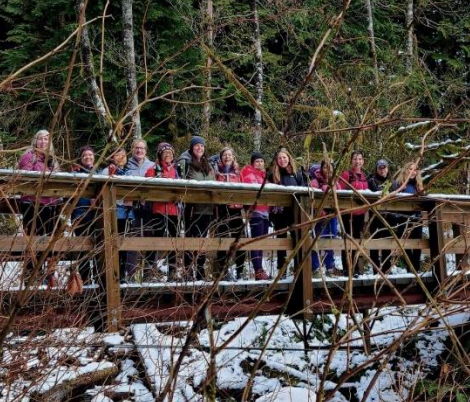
{"type": "Point", "coordinates": [357, 162]}
{"type": "Point", "coordinates": [87, 158]}
{"type": "Point", "coordinates": [412, 171]}
{"type": "Point", "coordinates": [119, 159]}
{"type": "Point", "coordinates": [167, 156]}
{"type": "Point", "coordinates": [326, 170]}
{"type": "Point", "coordinates": [198, 150]}
{"type": "Point", "coordinates": [382, 170]}
{"type": "Point", "coordinates": [42, 141]}
{"type": "Point", "coordinates": [282, 160]}
{"type": "Point", "coordinates": [227, 157]}
{"type": "Point", "coordinates": [139, 152]}
{"type": "Point", "coordinates": [258, 164]}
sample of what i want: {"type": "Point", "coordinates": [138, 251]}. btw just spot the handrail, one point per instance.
{"type": "Point", "coordinates": [438, 207]}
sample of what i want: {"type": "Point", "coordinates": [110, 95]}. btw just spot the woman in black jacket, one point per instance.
{"type": "Point", "coordinates": [378, 181]}
{"type": "Point", "coordinates": [84, 214]}
{"type": "Point", "coordinates": [284, 172]}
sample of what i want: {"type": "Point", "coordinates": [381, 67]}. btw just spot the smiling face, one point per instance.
{"type": "Point", "coordinates": [119, 159]}
{"type": "Point", "coordinates": [382, 170]}
{"type": "Point", "coordinates": [139, 152]}
{"type": "Point", "coordinates": [167, 156]}
{"type": "Point", "coordinates": [357, 162]}
{"type": "Point", "coordinates": [258, 164]}
{"type": "Point", "coordinates": [87, 158]}
{"type": "Point", "coordinates": [327, 170]}
{"type": "Point", "coordinates": [227, 157]}
{"type": "Point", "coordinates": [412, 171]}
{"type": "Point", "coordinates": [42, 141]}
{"type": "Point", "coordinates": [198, 150]}
{"type": "Point", "coordinates": [282, 160]}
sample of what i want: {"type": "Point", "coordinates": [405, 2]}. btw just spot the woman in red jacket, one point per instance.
{"type": "Point", "coordinates": [229, 217]}
{"type": "Point", "coordinates": [165, 214]}
{"type": "Point", "coordinates": [259, 219]}
{"type": "Point", "coordinates": [354, 178]}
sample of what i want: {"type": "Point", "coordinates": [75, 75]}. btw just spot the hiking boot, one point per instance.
{"type": "Point", "coordinates": [317, 273]}
{"type": "Point", "coordinates": [261, 275]}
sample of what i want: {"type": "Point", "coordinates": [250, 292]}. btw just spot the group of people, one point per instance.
{"type": "Point", "coordinates": [161, 219]}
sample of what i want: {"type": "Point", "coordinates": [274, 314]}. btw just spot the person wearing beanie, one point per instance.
{"type": "Point", "coordinates": [84, 214]}
{"type": "Point", "coordinates": [259, 217]}
{"type": "Point", "coordinates": [196, 140]}
{"type": "Point", "coordinates": [379, 181]}
{"type": "Point", "coordinates": [229, 217]}
{"type": "Point", "coordinates": [193, 164]}
{"type": "Point", "coordinates": [326, 228]}
{"type": "Point", "coordinates": [256, 155]}
{"type": "Point", "coordinates": [165, 215]}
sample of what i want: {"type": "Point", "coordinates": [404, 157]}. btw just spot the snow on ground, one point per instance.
{"type": "Point", "coordinates": [266, 349]}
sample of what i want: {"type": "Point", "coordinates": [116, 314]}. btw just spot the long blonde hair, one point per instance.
{"type": "Point", "coordinates": [276, 170]}
{"type": "Point", "coordinates": [403, 176]}
{"type": "Point", "coordinates": [34, 141]}
{"type": "Point", "coordinates": [52, 159]}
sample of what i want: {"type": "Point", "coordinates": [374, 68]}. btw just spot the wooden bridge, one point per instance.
{"type": "Point", "coordinates": [301, 296]}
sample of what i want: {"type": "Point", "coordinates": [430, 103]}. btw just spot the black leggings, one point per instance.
{"type": "Point", "coordinates": [196, 225]}
{"type": "Point", "coordinates": [353, 225]}
{"type": "Point", "coordinates": [229, 224]}
{"type": "Point", "coordinates": [281, 221]}
{"type": "Point", "coordinates": [410, 226]}
{"type": "Point", "coordinates": [45, 222]}
{"type": "Point", "coordinates": [379, 231]}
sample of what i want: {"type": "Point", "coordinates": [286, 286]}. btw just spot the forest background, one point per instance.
{"type": "Point", "coordinates": [250, 74]}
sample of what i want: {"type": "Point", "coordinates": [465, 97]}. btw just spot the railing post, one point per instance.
{"type": "Point", "coordinates": [303, 286]}
{"type": "Point", "coordinates": [437, 241]}
{"type": "Point", "coordinates": [111, 258]}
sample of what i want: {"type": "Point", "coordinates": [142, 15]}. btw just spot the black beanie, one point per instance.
{"type": "Point", "coordinates": [256, 155]}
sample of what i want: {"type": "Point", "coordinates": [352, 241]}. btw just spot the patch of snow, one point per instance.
{"type": "Point", "coordinates": [289, 394]}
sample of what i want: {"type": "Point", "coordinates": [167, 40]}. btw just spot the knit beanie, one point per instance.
{"type": "Point", "coordinates": [164, 146]}
{"type": "Point", "coordinates": [256, 155]}
{"type": "Point", "coordinates": [381, 163]}
{"type": "Point", "coordinates": [196, 140]}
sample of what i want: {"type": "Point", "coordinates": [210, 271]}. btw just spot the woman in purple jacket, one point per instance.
{"type": "Point", "coordinates": [39, 158]}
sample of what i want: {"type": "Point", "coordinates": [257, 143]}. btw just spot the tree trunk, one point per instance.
{"type": "Point", "coordinates": [130, 68]}
{"type": "Point", "coordinates": [409, 37]}
{"type": "Point", "coordinates": [89, 73]}
{"type": "Point", "coordinates": [259, 79]}
{"type": "Point", "coordinates": [209, 26]}
{"type": "Point", "coordinates": [370, 28]}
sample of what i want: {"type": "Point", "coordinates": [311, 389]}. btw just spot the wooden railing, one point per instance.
{"type": "Point", "coordinates": [441, 213]}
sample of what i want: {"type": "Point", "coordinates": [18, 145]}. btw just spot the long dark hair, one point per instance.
{"type": "Point", "coordinates": [203, 164]}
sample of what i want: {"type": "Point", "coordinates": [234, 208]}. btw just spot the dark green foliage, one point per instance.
{"type": "Point", "coordinates": [172, 61]}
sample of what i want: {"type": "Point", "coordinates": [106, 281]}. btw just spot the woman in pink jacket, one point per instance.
{"type": "Point", "coordinates": [259, 219]}
{"type": "Point", "coordinates": [39, 158]}
{"type": "Point", "coordinates": [354, 178]}
{"type": "Point", "coordinates": [165, 215]}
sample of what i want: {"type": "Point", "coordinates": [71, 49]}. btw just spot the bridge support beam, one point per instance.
{"type": "Point", "coordinates": [437, 241]}
{"type": "Point", "coordinates": [111, 259]}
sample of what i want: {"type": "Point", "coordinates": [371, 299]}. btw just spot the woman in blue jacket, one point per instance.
{"type": "Point", "coordinates": [410, 224]}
